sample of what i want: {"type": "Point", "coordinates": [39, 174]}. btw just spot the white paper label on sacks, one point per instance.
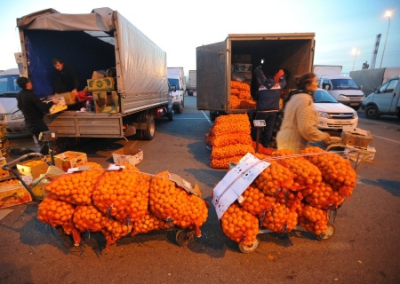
{"type": "Point", "coordinates": [235, 182]}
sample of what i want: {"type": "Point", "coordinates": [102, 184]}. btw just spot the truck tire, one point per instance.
{"type": "Point", "coordinates": [179, 109]}
{"type": "Point", "coordinates": [372, 112]}
{"type": "Point", "coordinates": [148, 133]}
{"type": "Point", "coordinates": [213, 115]}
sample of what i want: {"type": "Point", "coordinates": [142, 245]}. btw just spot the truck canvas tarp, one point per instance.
{"type": "Point", "coordinates": [370, 79]}
{"type": "Point", "coordinates": [99, 40]}
{"type": "Point", "coordinates": [291, 51]}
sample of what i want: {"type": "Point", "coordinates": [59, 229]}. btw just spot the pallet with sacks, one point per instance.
{"type": "Point", "coordinates": [282, 193]}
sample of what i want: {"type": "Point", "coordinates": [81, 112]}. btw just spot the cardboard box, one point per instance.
{"type": "Point", "coordinates": [242, 67]}
{"type": "Point", "coordinates": [241, 58]}
{"type": "Point", "coordinates": [356, 137]}
{"type": "Point", "coordinates": [3, 173]}
{"type": "Point", "coordinates": [129, 155]}
{"type": "Point", "coordinates": [60, 106]}
{"type": "Point", "coordinates": [69, 98]}
{"type": "Point", "coordinates": [12, 193]}
{"type": "Point", "coordinates": [69, 159]}
{"type": "Point", "coordinates": [104, 84]}
{"type": "Point", "coordinates": [354, 154]}
{"type": "Point", "coordinates": [32, 168]}
{"type": "Point", "coordinates": [106, 102]}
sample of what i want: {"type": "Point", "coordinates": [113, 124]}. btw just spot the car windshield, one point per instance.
{"type": "Point", "coordinates": [344, 84]}
{"type": "Point", "coordinates": [322, 96]}
{"type": "Point", "coordinates": [8, 84]}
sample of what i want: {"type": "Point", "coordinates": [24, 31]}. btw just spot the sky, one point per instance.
{"type": "Point", "coordinates": [178, 27]}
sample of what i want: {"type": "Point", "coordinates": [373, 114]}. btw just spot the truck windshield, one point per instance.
{"type": "Point", "coordinates": [344, 84]}
{"type": "Point", "coordinates": [8, 84]}
{"type": "Point", "coordinates": [173, 82]}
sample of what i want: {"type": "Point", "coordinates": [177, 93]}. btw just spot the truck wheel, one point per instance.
{"type": "Point", "coordinates": [170, 116]}
{"type": "Point", "coordinates": [179, 109]}
{"type": "Point", "coordinates": [372, 112]}
{"type": "Point", "coordinates": [213, 115]}
{"type": "Point", "coordinates": [148, 133]}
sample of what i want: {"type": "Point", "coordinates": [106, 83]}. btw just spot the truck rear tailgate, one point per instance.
{"type": "Point", "coordinates": [86, 124]}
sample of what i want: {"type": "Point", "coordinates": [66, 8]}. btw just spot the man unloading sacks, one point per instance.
{"type": "Point", "coordinates": [269, 93]}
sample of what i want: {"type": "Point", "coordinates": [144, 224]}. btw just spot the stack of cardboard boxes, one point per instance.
{"type": "Point", "coordinates": [358, 144]}
{"type": "Point", "coordinates": [104, 93]}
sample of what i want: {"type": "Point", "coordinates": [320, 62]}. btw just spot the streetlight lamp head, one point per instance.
{"type": "Point", "coordinates": [388, 14]}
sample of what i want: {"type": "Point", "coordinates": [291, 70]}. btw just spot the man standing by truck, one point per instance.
{"type": "Point", "coordinates": [33, 109]}
{"type": "Point", "coordinates": [269, 93]}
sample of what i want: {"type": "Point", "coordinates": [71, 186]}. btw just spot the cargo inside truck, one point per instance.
{"type": "Point", "coordinates": [236, 58]}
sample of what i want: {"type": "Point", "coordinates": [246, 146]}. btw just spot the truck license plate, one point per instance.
{"type": "Point", "coordinates": [354, 104]}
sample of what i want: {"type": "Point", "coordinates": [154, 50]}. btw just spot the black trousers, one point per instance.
{"type": "Point", "coordinates": [36, 129]}
{"type": "Point", "coordinates": [266, 134]}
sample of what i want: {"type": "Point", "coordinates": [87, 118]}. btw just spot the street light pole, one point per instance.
{"type": "Point", "coordinates": [387, 14]}
{"type": "Point", "coordinates": [355, 52]}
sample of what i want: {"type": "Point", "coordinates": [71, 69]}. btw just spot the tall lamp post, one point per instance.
{"type": "Point", "coordinates": [388, 14]}
{"type": "Point", "coordinates": [355, 52]}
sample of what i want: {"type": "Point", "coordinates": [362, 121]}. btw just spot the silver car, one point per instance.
{"type": "Point", "coordinates": [10, 115]}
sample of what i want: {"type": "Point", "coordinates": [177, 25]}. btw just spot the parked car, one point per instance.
{"type": "Point", "coordinates": [384, 100]}
{"type": "Point", "coordinates": [333, 115]}
{"type": "Point", "coordinates": [343, 89]}
{"type": "Point", "coordinates": [10, 115]}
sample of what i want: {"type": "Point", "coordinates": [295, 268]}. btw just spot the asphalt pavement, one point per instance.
{"type": "Point", "coordinates": [363, 249]}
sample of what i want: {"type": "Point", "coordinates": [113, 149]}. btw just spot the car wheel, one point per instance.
{"type": "Point", "coordinates": [372, 112]}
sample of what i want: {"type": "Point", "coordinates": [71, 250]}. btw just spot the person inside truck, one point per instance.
{"type": "Point", "coordinates": [269, 93]}
{"type": "Point", "coordinates": [33, 109]}
{"type": "Point", "coordinates": [66, 78]}
{"type": "Point", "coordinates": [300, 119]}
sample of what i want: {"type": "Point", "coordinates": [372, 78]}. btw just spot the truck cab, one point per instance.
{"type": "Point", "coordinates": [343, 88]}
{"type": "Point", "coordinates": [177, 93]}
{"type": "Point", "coordinates": [384, 100]}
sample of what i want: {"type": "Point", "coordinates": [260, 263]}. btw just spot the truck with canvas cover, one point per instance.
{"type": "Point", "coordinates": [223, 65]}
{"type": "Point", "coordinates": [100, 40]}
{"type": "Point", "coordinates": [370, 79]}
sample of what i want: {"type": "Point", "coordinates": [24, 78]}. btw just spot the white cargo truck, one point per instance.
{"type": "Point", "coordinates": [99, 40]}
{"type": "Point", "coordinates": [191, 86]}
{"type": "Point", "coordinates": [176, 80]}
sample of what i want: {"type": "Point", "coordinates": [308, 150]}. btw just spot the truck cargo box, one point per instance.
{"type": "Point", "coordinates": [215, 62]}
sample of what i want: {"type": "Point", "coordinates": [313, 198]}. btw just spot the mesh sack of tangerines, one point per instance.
{"type": "Point", "coordinates": [117, 203]}
{"type": "Point", "coordinates": [229, 139]}
{"type": "Point", "coordinates": [295, 189]}
{"type": "Point", "coordinates": [240, 96]}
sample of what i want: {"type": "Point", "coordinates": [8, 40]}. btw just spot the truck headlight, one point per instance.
{"type": "Point", "coordinates": [355, 115]}
{"type": "Point", "coordinates": [17, 115]}
{"type": "Point", "coordinates": [323, 114]}
{"type": "Point", "coordinates": [343, 98]}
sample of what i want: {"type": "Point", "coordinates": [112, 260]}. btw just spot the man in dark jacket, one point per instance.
{"type": "Point", "coordinates": [33, 108]}
{"type": "Point", "coordinates": [269, 93]}
{"type": "Point", "coordinates": [66, 78]}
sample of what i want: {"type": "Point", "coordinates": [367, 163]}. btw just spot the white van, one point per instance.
{"type": "Point", "coordinates": [343, 88]}
{"type": "Point", "coordinates": [10, 115]}
{"type": "Point", "coordinates": [384, 100]}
